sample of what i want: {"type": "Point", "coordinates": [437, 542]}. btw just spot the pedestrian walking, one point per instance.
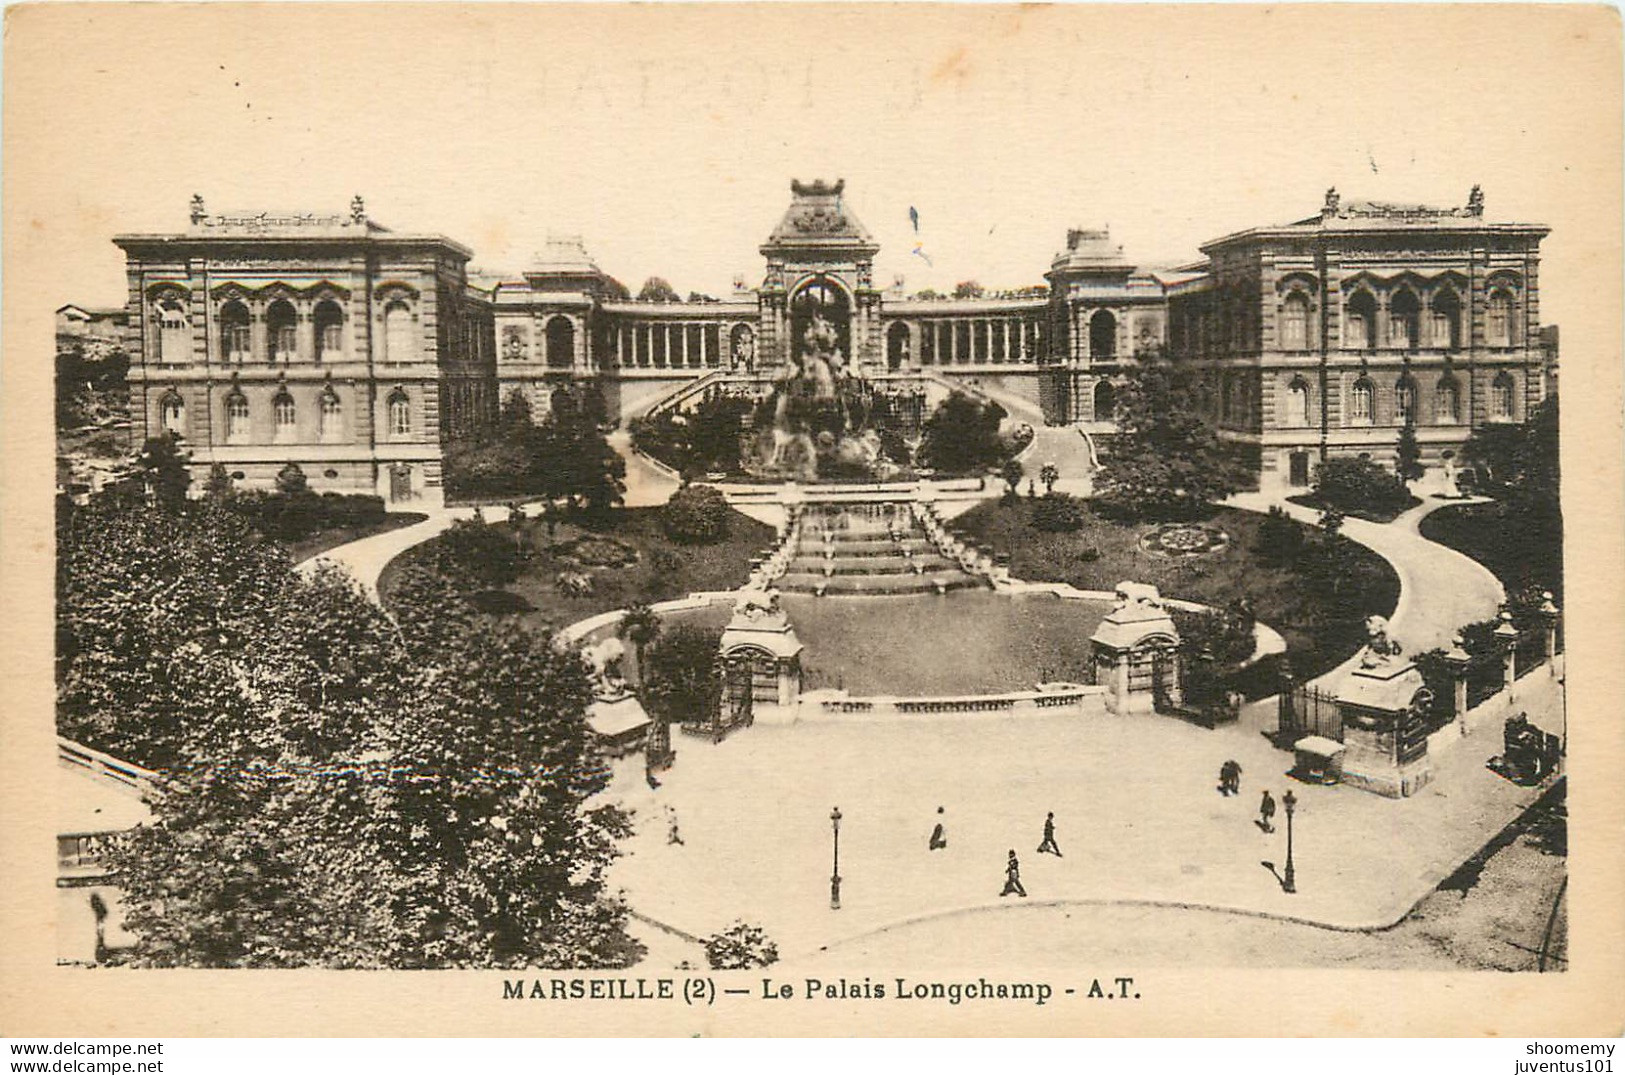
{"type": "Point", "coordinates": [939, 836]}
{"type": "Point", "coordinates": [1012, 877]}
{"type": "Point", "coordinates": [1229, 778]}
{"type": "Point", "coordinates": [1266, 812]}
{"type": "Point", "coordinates": [1049, 843]}
{"type": "Point", "coordinates": [672, 835]}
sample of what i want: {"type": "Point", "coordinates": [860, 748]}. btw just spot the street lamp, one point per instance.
{"type": "Point", "coordinates": [1290, 882]}
{"type": "Point", "coordinates": [835, 874]}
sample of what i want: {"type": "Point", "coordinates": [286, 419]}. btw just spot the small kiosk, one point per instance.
{"type": "Point", "coordinates": [759, 662]}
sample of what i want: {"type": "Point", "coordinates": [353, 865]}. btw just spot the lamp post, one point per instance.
{"type": "Point", "coordinates": [835, 873]}
{"type": "Point", "coordinates": [1290, 882]}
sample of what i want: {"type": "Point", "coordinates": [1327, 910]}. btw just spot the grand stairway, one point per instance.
{"type": "Point", "coordinates": [868, 548]}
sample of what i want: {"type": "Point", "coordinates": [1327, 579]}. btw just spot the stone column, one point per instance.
{"type": "Point", "coordinates": [1549, 614]}
{"type": "Point", "coordinates": [1457, 660]}
{"type": "Point", "coordinates": [1507, 636]}
{"type": "Point", "coordinates": [304, 339]}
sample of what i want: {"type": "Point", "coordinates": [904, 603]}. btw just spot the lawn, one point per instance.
{"type": "Point", "coordinates": [662, 569]}
{"type": "Point", "coordinates": [1520, 548]}
{"type": "Point", "coordinates": [1370, 515]}
{"type": "Point", "coordinates": [1103, 553]}
{"type": "Point", "coordinates": [333, 537]}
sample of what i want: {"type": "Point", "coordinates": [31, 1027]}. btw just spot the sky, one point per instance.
{"type": "Point", "coordinates": [667, 137]}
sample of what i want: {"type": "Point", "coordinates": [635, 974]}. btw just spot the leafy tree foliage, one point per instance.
{"type": "Point", "coordinates": [740, 947]}
{"type": "Point", "coordinates": [968, 289]}
{"type": "Point", "coordinates": [161, 468]}
{"type": "Point", "coordinates": [656, 289]}
{"type": "Point", "coordinates": [1166, 462]}
{"type": "Point", "coordinates": [681, 684]}
{"type": "Point", "coordinates": [962, 435]}
{"type": "Point", "coordinates": [1049, 474]}
{"type": "Point", "coordinates": [1012, 473]}
{"type": "Point", "coordinates": [1058, 513]}
{"type": "Point", "coordinates": [1519, 463]}
{"type": "Point", "coordinates": [92, 384]}
{"type": "Point", "coordinates": [640, 625]}
{"type": "Point", "coordinates": [339, 789]}
{"type": "Point", "coordinates": [1408, 455]}
{"type": "Point", "coordinates": [696, 515]}
{"type": "Point", "coordinates": [473, 555]}
{"type": "Point", "coordinates": [291, 480]}
{"type": "Point", "coordinates": [1360, 486]}
{"type": "Point", "coordinates": [566, 457]}
{"type": "Point", "coordinates": [698, 441]}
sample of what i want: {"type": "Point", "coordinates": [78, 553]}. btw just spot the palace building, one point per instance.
{"type": "Point", "coordinates": [360, 353]}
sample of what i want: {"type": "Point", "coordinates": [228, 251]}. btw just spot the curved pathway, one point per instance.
{"type": "Point", "coordinates": [1440, 590]}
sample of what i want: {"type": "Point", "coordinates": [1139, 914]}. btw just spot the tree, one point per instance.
{"type": "Point", "coordinates": [682, 685]}
{"type": "Point", "coordinates": [696, 515]}
{"type": "Point", "coordinates": [640, 625]}
{"type": "Point", "coordinates": [161, 467]}
{"type": "Point", "coordinates": [1012, 474]}
{"type": "Point", "coordinates": [968, 289]}
{"type": "Point", "coordinates": [1166, 462]}
{"type": "Point", "coordinates": [1353, 485]}
{"type": "Point", "coordinates": [472, 555]}
{"type": "Point", "coordinates": [656, 289]}
{"type": "Point", "coordinates": [291, 481]}
{"type": "Point", "coordinates": [962, 435]}
{"type": "Point", "coordinates": [218, 487]}
{"type": "Point", "coordinates": [1049, 475]}
{"type": "Point", "coordinates": [1408, 455]}
{"type": "Point", "coordinates": [338, 789]}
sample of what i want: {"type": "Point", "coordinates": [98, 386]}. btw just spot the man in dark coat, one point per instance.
{"type": "Point", "coordinates": [1266, 812]}
{"type": "Point", "coordinates": [1048, 843]}
{"type": "Point", "coordinates": [939, 836]}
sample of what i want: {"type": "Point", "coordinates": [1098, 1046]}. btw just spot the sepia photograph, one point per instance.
{"type": "Point", "coordinates": [718, 519]}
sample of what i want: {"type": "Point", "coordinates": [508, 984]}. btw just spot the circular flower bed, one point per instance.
{"type": "Point", "coordinates": [1184, 539]}
{"type": "Point", "coordinates": [596, 550]}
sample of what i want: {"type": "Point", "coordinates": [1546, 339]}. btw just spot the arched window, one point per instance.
{"type": "Point", "coordinates": [331, 417]}
{"type": "Point", "coordinates": [174, 333]}
{"type": "Point", "coordinates": [284, 416]}
{"type": "Point", "coordinates": [400, 414]}
{"type": "Point", "coordinates": [398, 332]}
{"type": "Point", "coordinates": [235, 336]}
{"type": "Point", "coordinates": [172, 414]}
{"type": "Point", "coordinates": [1503, 394]}
{"type": "Point", "coordinates": [1498, 322]}
{"type": "Point", "coordinates": [1405, 399]}
{"type": "Point", "coordinates": [561, 343]}
{"type": "Point", "coordinates": [1362, 402]}
{"type": "Point", "coordinates": [1297, 402]}
{"type": "Point", "coordinates": [1105, 401]}
{"type": "Point", "coordinates": [1404, 316]}
{"type": "Point", "coordinates": [1295, 322]}
{"type": "Point", "coordinates": [1447, 401]}
{"type": "Point", "coordinates": [329, 331]}
{"type": "Point", "coordinates": [280, 327]}
{"type": "Point", "coordinates": [1360, 321]}
{"type": "Point", "coordinates": [1444, 320]}
{"type": "Point", "coordinates": [897, 346]}
{"type": "Point", "coordinates": [237, 430]}
{"type": "Point", "coordinates": [1102, 335]}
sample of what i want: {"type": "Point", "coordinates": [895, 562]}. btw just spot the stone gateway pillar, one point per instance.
{"type": "Point", "coordinates": [1383, 704]}
{"type": "Point", "coordinates": [1136, 652]}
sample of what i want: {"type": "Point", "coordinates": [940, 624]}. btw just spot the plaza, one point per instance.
{"type": "Point", "coordinates": [1138, 819]}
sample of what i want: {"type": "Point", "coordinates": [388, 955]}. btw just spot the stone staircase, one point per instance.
{"type": "Point", "coordinates": [868, 548]}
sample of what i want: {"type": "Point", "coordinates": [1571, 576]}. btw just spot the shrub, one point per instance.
{"type": "Point", "coordinates": [1280, 539]}
{"type": "Point", "coordinates": [474, 555]}
{"type": "Point", "coordinates": [740, 947]}
{"type": "Point", "coordinates": [696, 515]}
{"type": "Point", "coordinates": [1360, 485]}
{"type": "Point", "coordinates": [1058, 513]}
{"type": "Point", "coordinates": [574, 583]}
{"type": "Point", "coordinates": [296, 516]}
{"type": "Point", "coordinates": [290, 480]}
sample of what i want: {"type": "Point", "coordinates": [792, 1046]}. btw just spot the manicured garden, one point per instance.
{"type": "Point", "coordinates": [1315, 588]}
{"type": "Point", "coordinates": [1522, 548]}
{"type": "Point", "coordinates": [568, 570]}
